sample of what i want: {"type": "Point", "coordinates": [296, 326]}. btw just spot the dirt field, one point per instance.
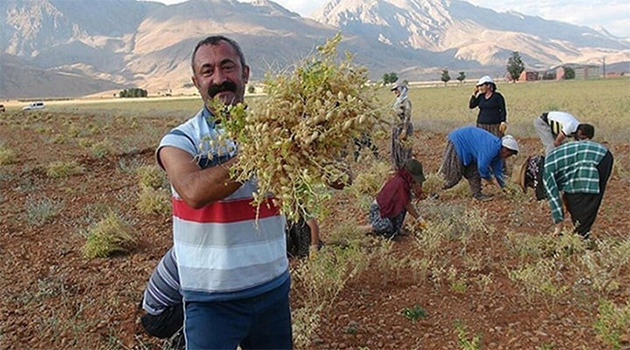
{"type": "Point", "coordinates": [54, 298]}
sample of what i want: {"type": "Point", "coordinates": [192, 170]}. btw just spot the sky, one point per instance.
{"type": "Point", "coordinates": [613, 15]}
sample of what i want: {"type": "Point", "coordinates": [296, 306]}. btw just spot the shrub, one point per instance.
{"type": "Point", "coordinates": [101, 149]}
{"type": "Point", "coordinates": [612, 323]}
{"type": "Point", "coordinates": [415, 313]}
{"type": "Point", "coordinates": [59, 169]}
{"type": "Point", "coordinates": [462, 337]}
{"type": "Point", "coordinates": [110, 235]}
{"type": "Point", "coordinates": [151, 176]}
{"type": "Point", "coordinates": [154, 201]}
{"type": "Point", "coordinates": [39, 212]}
{"type": "Point", "coordinates": [7, 155]}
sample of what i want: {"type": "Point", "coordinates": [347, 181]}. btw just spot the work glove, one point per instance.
{"type": "Point", "coordinates": [503, 127]}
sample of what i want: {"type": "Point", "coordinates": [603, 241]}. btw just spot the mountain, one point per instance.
{"type": "Point", "coordinates": [472, 32]}
{"type": "Point", "coordinates": [121, 43]}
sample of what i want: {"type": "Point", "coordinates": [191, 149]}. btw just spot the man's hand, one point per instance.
{"type": "Point", "coordinates": [558, 231]}
{"type": "Point", "coordinates": [503, 127]}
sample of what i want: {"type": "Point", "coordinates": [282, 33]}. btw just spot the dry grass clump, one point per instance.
{"type": "Point", "coordinates": [7, 155]}
{"type": "Point", "coordinates": [433, 183]}
{"type": "Point", "coordinates": [101, 149]}
{"type": "Point", "coordinates": [154, 196]}
{"type": "Point", "coordinates": [294, 141]}
{"type": "Point", "coordinates": [151, 176]}
{"type": "Point", "coordinates": [60, 169]}
{"type": "Point", "coordinates": [613, 323]}
{"type": "Point", "coordinates": [109, 236]}
{"type": "Point", "coordinates": [154, 201]}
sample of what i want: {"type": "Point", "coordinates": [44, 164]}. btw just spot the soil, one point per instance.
{"type": "Point", "coordinates": [54, 298]}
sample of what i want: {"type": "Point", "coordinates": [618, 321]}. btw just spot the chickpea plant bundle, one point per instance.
{"type": "Point", "coordinates": [294, 142]}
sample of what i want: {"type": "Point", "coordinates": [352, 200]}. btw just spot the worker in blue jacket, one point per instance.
{"type": "Point", "coordinates": [476, 154]}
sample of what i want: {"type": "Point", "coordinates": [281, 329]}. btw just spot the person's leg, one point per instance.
{"type": "Point", "coordinates": [271, 327]}
{"type": "Point", "coordinates": [380, 226]}
{"type": "Point", "coordinates": [164, 324]}
{"type": "Point", "coordinates": [397, 222]}
{"type": "Point", "coordinates": [452, 168]}
{"type": "Point", "coordinates": [474, 179]}
{"type": "Point", "coordinates": [216, 325]}
{"type": "Point", "coordinates": [583, 209]}
{"type": "Point", "coordinates": [544, 132]}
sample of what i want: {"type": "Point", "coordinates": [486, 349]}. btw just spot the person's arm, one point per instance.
{"type": "Point", "coordinates": [474, 101]}
{"type": "Point", "coordinates": [553, 195]}
{"type": "Point", "coordinates": [502, 109]}
{"type": "Point", "coordinates": [196, 186]}
{"type": "Point", "coordinates": [558, 141]}
{"type": "Point", "coordinates": [312, 224]}
{"type": "Point", "coordinates": [412, 210]}
{"type": "Point", "coordinates": [497, 169]}
{"type": "Point", "coordinates": [483, 164]}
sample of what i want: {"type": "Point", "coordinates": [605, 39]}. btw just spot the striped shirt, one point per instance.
{"type": "Point", "coordinates": [163, 287]}
{"type": "Point", "coordinates": [222, 252]}
{"type": "Point", "coordinates": [562, 122]}
{"type": "Point", "coordinates": [571, 168]}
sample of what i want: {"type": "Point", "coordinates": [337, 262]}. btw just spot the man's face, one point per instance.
{"type": "Point", "coordinates": [579, 135]}
{"type": "Point", "coordinates": [505, 153]}
{"type": "Point", "coordinates": [397, 92]}
{"type": "Point", "coordinates": [218, 73]}
{"type": "Point", "coordinates": [417, 189]}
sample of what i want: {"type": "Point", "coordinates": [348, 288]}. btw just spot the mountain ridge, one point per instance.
{"type": "Point", "coordinates": [147, 44]}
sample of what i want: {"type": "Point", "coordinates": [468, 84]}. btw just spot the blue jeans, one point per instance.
{"type": "Point", "coordinates": [260, 322]}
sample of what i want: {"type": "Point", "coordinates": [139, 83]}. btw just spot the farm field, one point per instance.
{"type": "Point", "coordinates": [482, 275]}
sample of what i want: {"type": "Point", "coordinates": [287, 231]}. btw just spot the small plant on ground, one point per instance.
{"type": "Point", "coordinates": [101, 149]}
{"type": "Point", "coordinates": [464, 339]}
{"type": "Point", "coordinates": [110, 235]}
{"type": "Point", "coordinates": [38, 212]}
{"type": "Point", "coordinates": [613, 323]}
{"type": "Point", "coordinates": [7, 155]}
{"type": "Point", "coordinates": [154, 201]}
{"type": "Point", "coordinates": [150, 176]}
{"type": "Point", "coordinates": [415, 313]}
{"type": "Point", "coordinates": [59, 169]}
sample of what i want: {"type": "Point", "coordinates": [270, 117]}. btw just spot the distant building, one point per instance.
{"type": "Point", "coordinates": [528, 76]}
{"type": "Point", "coordinates": [587, 72]}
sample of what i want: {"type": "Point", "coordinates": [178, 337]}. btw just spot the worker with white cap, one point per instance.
{"type": "Point", "coordinates": [492, 112]}
{"type": "Point", "coordinates": [472, 153]}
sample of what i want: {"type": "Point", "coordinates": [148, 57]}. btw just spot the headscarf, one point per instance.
{"type": "Point", "coordinates": [395, 194]}
{"type": "Point", "coordinates": [403, 95]}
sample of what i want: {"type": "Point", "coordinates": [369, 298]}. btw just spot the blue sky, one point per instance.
{"type": "Point", "coordinates": [613, 15]}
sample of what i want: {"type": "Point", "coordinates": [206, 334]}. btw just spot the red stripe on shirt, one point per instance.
{"type": "Point", "coordinates": [224, 212]}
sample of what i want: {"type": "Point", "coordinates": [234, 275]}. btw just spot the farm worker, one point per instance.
{"type": "Point", "coordinates": [233, 271]}
{"type": "Point", "coordinates": [471, 152]}
{"type": "Point", "coordinates": [393, 201]}
{"type": "Point", "coordinates": [578, 169]}
{"type": "Point", "coordinates": [162, 301]}
{"type": "Point", "coordinates": [303, 238]}
{"type": "Point", "coordinates": [554, 127]}
{"type": "Point", "coordinates": [492, 113]}
{"type": "Point", "coordinates": [403, 129]}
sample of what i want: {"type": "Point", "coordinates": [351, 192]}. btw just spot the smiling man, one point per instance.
{"type": "Point", "coordinates": [234, 276]}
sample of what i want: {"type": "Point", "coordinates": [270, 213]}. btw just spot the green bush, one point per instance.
{"type": "Point", "coordinates": [110, 235]}
{"type": "Point", "coordinates": [59, 169]}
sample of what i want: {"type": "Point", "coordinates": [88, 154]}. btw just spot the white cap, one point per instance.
{"type": "Point", "coordinates": [399, 83]}
{"type": "Point", "coordinates": [485, 79]}
{"type": "Point", "coordinates": [509, 142]}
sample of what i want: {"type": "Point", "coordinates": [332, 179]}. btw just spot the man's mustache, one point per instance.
{"type": "Point", "coordinates": [225, 86]}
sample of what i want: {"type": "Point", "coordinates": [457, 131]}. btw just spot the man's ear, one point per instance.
{"type": "Point", "coordinates": [194, 80]}
{"type": "Point", "coordinates": [246, 74]}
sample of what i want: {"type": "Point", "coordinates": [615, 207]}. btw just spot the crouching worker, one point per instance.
{"type": "Point", "coordinates": [472, 152]}
{"type": "Point", "coordinates": [578, 169]}
{"type": "Point", "coordinates": [393, 201]}
{"type": "Point", "coordinates": [162, 301]}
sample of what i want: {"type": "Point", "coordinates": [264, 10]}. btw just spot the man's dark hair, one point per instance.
{"type": "Point", "coordinates": [587, 129]}
{"type": "Point", "coordinates": [215, 40]}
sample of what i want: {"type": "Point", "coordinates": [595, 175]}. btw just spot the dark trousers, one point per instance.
{"type": "Point", "coordinates": [260, 322]}
{"type": "Point", "coordinates": [583, 207]}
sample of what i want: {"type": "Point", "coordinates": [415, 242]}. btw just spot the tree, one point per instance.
{"type": "Point", "coordinates": [461, 77]}
{"type": "Point", "coordinates": [569, 73]}
{"type": "Point", "coordinates": [389, 78]}
{"type": "Point", "coordinates": [251, 89]}
{"type": "Point", "coordinates": [133, 92]}
{"type": "Point", "coordinates": [515, 66]}
{"type": "Point", "coordinates": [445, 76]}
